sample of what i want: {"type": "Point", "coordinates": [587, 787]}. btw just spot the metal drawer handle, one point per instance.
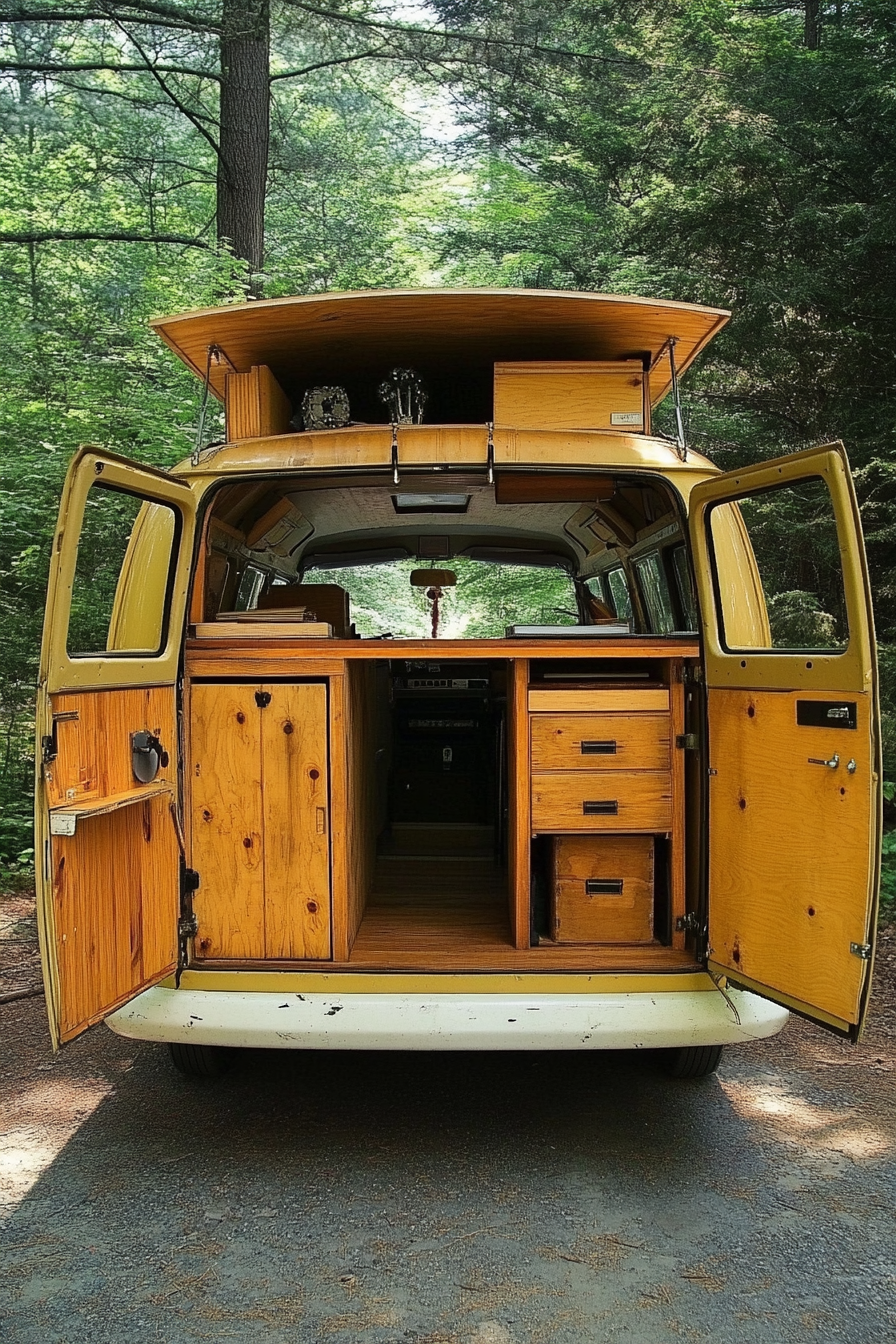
{"type": "Point", "coordinates": [603, 886]}
{"type": "Point", "coordinates": [598, 748]}
{"type": "Point", "coordinates": [602, 807]}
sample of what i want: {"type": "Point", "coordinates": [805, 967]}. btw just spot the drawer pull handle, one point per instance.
{"type": "Point", "coordinates": [598, 748]}
{"type": "Point", "coordinates": [602, 807]}
{"type": "Point", "coordinates": [603, 886]}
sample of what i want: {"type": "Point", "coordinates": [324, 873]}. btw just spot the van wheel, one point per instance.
{"type": "Point", "coordinates": [199, 1061]}
{"type": "Point", "coordinates": [692, 1061]}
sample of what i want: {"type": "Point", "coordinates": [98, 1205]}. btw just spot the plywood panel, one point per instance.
{"type": "Point", "coordinates": [226, 820]}
{"type": "Point", "coordinates": [610, 701]}
{"type": "Point", "coordinates": [634, 801]}
{"type": "Point", "coordinates": [519, 839]}
{"type": "Point", "coordinates": [115, 895]}
{"type": "Point", "coordinates": [361, 791]}
{"type": "Point", "coordinates": [256, 405]}
{"type": "Point", "coordinates": [94, 746]}
{"type": "Point", "coordinates": [581, 395]}
{"type": "Point", "coordinates": [296, 821]}
{"type": "Point", "coordinates": [789, 848]}
{"type": "Point", "coordinates": [600, 742]}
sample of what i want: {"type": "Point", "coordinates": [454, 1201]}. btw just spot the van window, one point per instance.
{"type": "Point", "coordinates": [487, 598]}
{"type": "Point", "coordinates": [655, 593]}
{"type": "Point", "coordinates": [125, 551]}
{"type": "Point", "coordinates": [617, 588]}
{"type": "Point", "coordinates": [777, 561]}
{"type": "Point", "coordinates": [249, 591]}
{"type": "Point", "coordinates": [684, 587]}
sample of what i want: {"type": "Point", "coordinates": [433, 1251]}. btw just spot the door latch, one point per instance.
{"type": "Point", "coordinates": [147, 755]}
{"type": "Point", "coordinates": [262, 699]}
{"type": "Point", "coordinates": [831, 764]}
{"type": "Point", "coordinates": [861, 950]}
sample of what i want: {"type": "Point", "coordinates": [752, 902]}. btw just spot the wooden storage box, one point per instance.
{"type": "Point", "coordinates": [581, 395]}
{"type": "Point", "coordinates": [602, 889]}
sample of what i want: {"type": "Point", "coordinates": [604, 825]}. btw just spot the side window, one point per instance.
{"type": "Point", "coordinates": [655, 593]}
{"type": "Point", "coordinates": [120, 593]}
{"type": "Point", "coordinates": [249, 591]}
{"type": "Point", "coordinates": [777, 561]}
{"type": "Point", "coordinates": [617, 589]}
{"type": "Point", "coordinates": [684, 587]}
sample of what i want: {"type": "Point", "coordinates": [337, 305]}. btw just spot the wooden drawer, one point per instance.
{"type": "Point", "coordinates": [602, 889]}
{"type": "Point", "coordinates": [606, 700]}
{"type": "Point", "coordinates": [602, 800]}
{"type": "Point", "coordinates": [600, 742]}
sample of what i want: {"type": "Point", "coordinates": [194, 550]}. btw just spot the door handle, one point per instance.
{"type": "Point", "coordinates": [831, 764]}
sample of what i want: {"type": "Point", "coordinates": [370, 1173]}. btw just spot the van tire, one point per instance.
{"type": "Point", "coordinates": [692, 1061]}
{"type": "Point", "coordinates": [199, 1061]}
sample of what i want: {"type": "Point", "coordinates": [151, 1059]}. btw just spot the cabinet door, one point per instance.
{"type": "Point", "coordinates": [260, 821]}
{"type": "Point", "coordinates": [296, 821]}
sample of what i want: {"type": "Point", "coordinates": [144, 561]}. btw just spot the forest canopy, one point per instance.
{"type": "Point", "coordinates": [159, 155]}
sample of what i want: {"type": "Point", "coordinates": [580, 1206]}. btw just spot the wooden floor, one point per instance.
{"type": "Point", "coordinates": [447, 914]}
{"type": "Point", "coordinates": [451, 914]}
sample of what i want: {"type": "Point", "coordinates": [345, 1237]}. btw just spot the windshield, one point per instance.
{"type": "Point", "coordinates": [486, 599]}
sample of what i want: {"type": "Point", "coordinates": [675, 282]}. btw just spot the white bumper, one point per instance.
{"type": "Point", "coordinates": [513, 1021]}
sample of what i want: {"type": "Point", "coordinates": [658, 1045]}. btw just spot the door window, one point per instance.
{"type": "Point", "coordinates": [120, 593]}
{"type": "Point", "coordinates": [779, 579]}
{"type": "Point", "coordinates": [685, 587]}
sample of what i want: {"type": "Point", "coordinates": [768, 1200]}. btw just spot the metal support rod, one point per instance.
{"type": "Point", "coordinates": [212, 353]}
{"type": "Point", "coordinates": [395, 453]}
{"type": "Point", "coordinates": [490, 452]}
{"type": "Point", "coordinates": [676, 399]}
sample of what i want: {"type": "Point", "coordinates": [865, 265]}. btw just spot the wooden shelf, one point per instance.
{"type": "Point", "coordinates": [64, 819]}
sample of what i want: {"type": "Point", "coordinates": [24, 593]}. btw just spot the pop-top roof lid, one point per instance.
{"type": "Point", "coordinates": [452, 337]}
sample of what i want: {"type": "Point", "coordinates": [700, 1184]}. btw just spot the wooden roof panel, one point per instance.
{"type": "Point", "coordinates": [453, 334]}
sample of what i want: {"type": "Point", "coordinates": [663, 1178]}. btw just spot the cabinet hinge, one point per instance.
{"type": "Point", "coordinates": [686, 741]}
{"type": "Point", "coordinates": [861, 950]}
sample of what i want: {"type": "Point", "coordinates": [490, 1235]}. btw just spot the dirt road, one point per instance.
{"type": "Point", "coordinates": [460, 1199]}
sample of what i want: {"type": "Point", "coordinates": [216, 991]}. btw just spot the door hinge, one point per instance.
{"type": "Point", "coordinates": [686, 741]}
{"type": "Point", "coordinates": [262, 699]}
{"type": "Point", "coordinates": [187, 924]}
{"type": "Point", "coordinates": [49, 746]}
{"type": "Point", "coordinates": [691, 923]}
{"type": "Point", "coordinates": [861, 950]}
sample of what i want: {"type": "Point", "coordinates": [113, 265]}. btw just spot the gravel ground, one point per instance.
{"type": "Point", "coordinates": [450, 1199]}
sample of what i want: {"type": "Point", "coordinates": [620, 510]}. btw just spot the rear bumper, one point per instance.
{"type": "Point", "coordinates": [405, 1021]}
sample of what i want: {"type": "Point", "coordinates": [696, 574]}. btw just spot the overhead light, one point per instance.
{"type": "Point", "coordinates": [430, 503]}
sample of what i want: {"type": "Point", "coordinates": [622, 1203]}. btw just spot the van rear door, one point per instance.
{"type": "Point", "coordinates": [794, 816]}
{"type": "Point", "coordinates": [108, 856]}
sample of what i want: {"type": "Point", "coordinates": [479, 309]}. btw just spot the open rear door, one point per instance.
{"type": "Point", "coordinates": [794, 754]}
{"type": "Point", "coordinates": [106, 842]}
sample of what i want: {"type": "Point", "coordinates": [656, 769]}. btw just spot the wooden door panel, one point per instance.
{"type": "Point", "coordinates": [759, 754]}
{"type": "Point", "coordinates": [93, 740]}
{"type": "Point", "coordinates": [296, 821]}
{"type": "Point", "coordinates": [115, 902]}
{"type": "Point", "coordinates": [227, 820]}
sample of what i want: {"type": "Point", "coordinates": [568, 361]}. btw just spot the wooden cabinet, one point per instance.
{"type": "Point", "coordinates": [259, 814]}
{"type": "Point", "coordinates": [603, 784]}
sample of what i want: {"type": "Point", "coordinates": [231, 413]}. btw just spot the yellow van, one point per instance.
{"type": "Point", "coordinates": [445, 705]}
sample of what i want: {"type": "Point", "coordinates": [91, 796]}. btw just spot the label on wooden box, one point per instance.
{"type": "Point", "coordinates": [602, 889]}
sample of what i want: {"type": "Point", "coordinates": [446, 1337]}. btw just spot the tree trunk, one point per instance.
{"type": "Point", "coordinates": [245, 112]}
{"type": "Point", "coordinates": [812, 24]}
